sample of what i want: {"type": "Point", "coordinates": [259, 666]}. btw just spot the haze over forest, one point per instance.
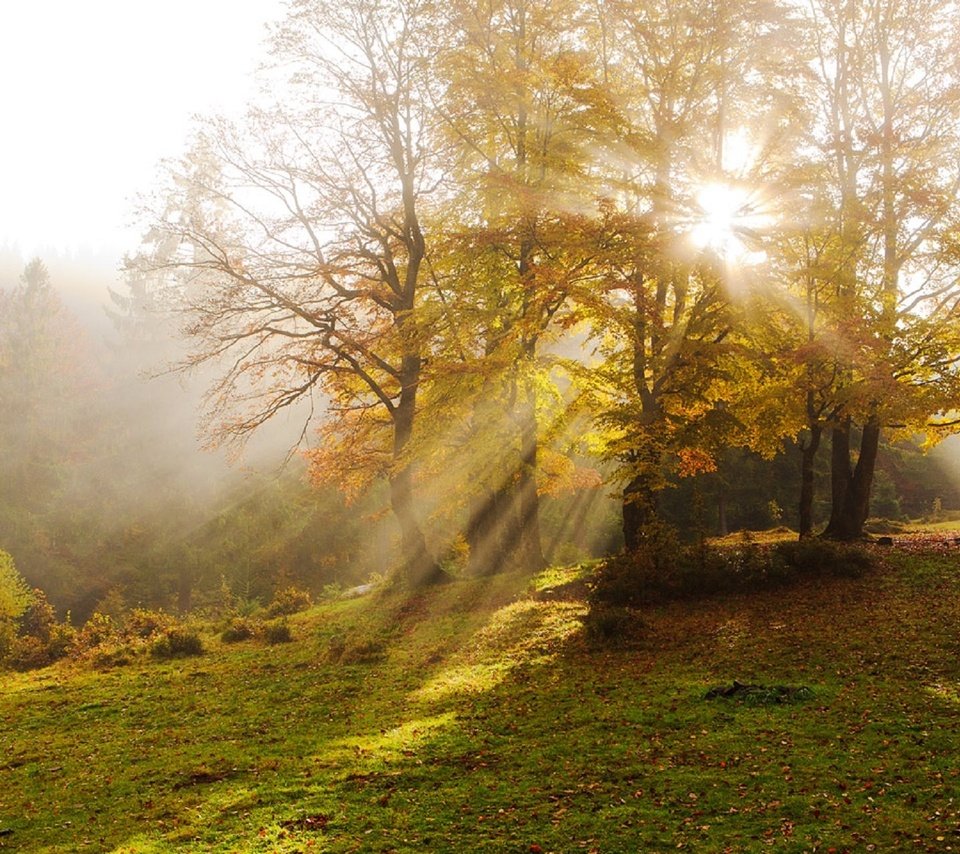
{"type": "Point", "coordinates": [519, 290]}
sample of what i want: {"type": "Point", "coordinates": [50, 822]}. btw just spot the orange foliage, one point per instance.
{"type": "Point", "coordinates": [559, 475]}
{"type": "Point", "coordinates": [694, 461]}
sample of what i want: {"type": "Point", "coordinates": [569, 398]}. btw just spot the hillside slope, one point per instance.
{"type": "Point", "coordinates": [476, 718]}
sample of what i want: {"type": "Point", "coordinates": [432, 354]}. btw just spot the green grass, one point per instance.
{"type": "Point", "coordinates": [475, 718]}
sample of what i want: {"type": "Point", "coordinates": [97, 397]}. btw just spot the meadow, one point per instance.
{"type": "Point", "coordinates": [479, 716]}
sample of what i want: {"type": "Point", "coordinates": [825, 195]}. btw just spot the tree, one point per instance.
{"type": "Point", "coordinates": [48, 379]}
{"type": "Point", "coordinates": [886, 92]}
{"type": "Point", "coordinates": [516, 120]}
{"type": "Point", "coordinates": [15, 598]}
{"type": "Point", "coordinates": [681, 78]}
{"type": "Point", "coordinates": [300, 248]}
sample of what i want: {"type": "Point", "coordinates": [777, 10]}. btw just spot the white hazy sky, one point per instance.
{"type": "Point", "coordinates": [93, 93]}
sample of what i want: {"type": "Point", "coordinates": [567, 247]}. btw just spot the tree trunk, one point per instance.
{"type": "Point", "coordinates": [852, 485]}
{"type": "Point", "coordinates": [530, 549]}
{"type": "Point", "coordinates": [840, 477]}
{"type": "Point", "coordinates": [808, 454]}
{"type": "Point", "coordinates": [491, 531]}
{"type": "Point", "coordinates": [185, 589]}
{"type": "Point", "coordinates": [857, 509]}
{"type": "Point", "coordinates": [722, 527]}
{"type": "Point", "coordinates": [419, 567]}
{"type": "Point", "coordinates": [639, 510]}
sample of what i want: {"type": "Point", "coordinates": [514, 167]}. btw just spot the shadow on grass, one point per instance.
{"type": "Point", "coordinates": [236, 750]}
{"type": "Point", "coordinates": [486, 725]}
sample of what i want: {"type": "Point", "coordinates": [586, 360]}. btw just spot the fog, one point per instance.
{"type": "Point", "coordinates": [108, 486]}
{"type": "Point", "coordinates": [110, 490]}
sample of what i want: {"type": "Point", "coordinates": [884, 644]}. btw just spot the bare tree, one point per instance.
{"type": "Point", "coordinates": [294, 246]}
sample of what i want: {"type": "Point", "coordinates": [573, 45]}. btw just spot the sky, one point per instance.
{"type": "Point", "coordinates": [94, 94]}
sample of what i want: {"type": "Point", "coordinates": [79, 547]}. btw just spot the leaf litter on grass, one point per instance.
{"type": "Point", "coordinates": [568, 748]}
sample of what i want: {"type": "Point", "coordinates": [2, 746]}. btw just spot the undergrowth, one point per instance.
{"type": "Point", "coordinates": [662, 569]}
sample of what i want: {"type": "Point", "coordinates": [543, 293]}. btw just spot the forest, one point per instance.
{"type": "Point", "coordinates": [533, 277]}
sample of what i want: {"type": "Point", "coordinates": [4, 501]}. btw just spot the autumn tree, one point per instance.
{"type": "Point", "coordinates": [515, 118]}
{"type": "Point", "coordinates": [15, 598]}
{"type": "Point", "coordinates": [682, 80]}
{"type": "Point", "coordinates": [885, 99]}
{"type": "Point", "coordinates": [49, 385]}
{"type": "Point", "coordinates": [297, 246]}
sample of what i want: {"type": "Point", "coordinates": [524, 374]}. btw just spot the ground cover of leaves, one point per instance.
{"type": "Point", "coordinates": [476, 718]}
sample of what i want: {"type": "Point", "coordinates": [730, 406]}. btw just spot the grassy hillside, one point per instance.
{"type": "Point", "coordinates": [476, 718]}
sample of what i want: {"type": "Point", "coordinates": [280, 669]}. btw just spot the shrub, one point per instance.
{"type": "Point", "coordinates": [658, 571]}
{"type": "Point", "coordinates": [612, 625]}
{"type": "Point", "coordinates": [39, 618]}
{"type": "Point", "coordinates": [62, 640]}
{"type": "Point", "coordinates": [336, 646]}
{"type": "Point", "coordinates": [112, 654]}
{"type": "Point", "coordinates": [884, 526]}
{"type": "Point", "coordinates": [650, 573]}
{"type": "Point", "coordinates": [28, 653]}
{"type": "Point", "coordinates": [243, 607]}
{"type": "Point", "coordinates": [145, 624]}
{"type": "Point", "coordinates": [334, 590]}
{"type": "Point", "coordinates": [176, 642]}
{"type": "Point", "coordinates": [239, 629]}
{"type": "Point", "coordinates": [97, 630]}
{"type": "Point", "coordinates": [39, 639]}
{"type": "Point", "coordinates": [8, 635]}
{"type": "Point", "coordinates": [277, 632]}
{"type": "Point", "coordinates": [364, 652]}
{"type": "Point", "coordinates": [357, 647]}
{"type": "Point", "coordinates": [288, 601]}
{"type": "Point", "coordinates": [825, 557]}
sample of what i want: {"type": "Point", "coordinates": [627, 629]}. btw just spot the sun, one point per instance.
{"type": "Point", "coordinates": [724, 218]}
{"type": "Point", "coordinates": [716, 219]}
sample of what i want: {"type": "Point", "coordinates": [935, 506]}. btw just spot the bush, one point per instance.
{"type": "Point", "coordinates": [357, 647]}
{"type": "Point", "coordinates": [97, 630]}
{"type": "Point", "coordinates": [277, 632]}
{"type": "Point", "coordinates": [39, 639]}
{"type": "Point", "coordinates": [28, 653]}
{"type": "Point", "coordinates": [243, 607]}
{"type": "Point", "coordinates": [660, 571]}
{"type": "Point", "coordinates": [612, 625]}
{"type": "Point", "coordinates": [290, 600]}
{"type": "Point", "coordinates": [62, 640]}
{"type": "Point", "coordinates": [650, 573]}
{"type": "Point", "coordinates": [39, 618]}
{"type": "Point", "coordinates": [145, 624]}
{"type": "Point", "coordinates": [365, 652]}
{"type": "Point", "coordinates": [176, 642]}
{"type": "Point", "coordinates": [334, 590]}
{"type": "Point", "coordinates": [239, 629]}
{"type": "Point", "coordinates": [112, 654]}
{"type": "Point", "coordinates": [884, 526]}
{"type": "Point", "coordinates": [825, 557]}
{"type": "Point", "coordinates": [336, 646]}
